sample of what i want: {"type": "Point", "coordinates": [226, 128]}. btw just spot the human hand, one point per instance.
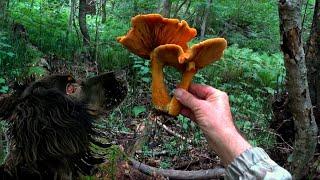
{"type": "Point", "coordinates": [210, 109]}
{"type": "Point", "coordinates": [207, 106]}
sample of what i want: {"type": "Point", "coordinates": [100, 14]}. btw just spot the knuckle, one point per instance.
{"type": "Point", "coordinates": [188, 97]}
{"type": "Point", "coordinates": [224, 94]}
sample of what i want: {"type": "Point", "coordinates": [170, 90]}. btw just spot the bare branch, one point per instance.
{"type": "Point", "coordinates": [179, 174]}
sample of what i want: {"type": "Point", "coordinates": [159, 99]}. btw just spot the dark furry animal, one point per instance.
{"type": "Point", "coordinates": [50, 131]}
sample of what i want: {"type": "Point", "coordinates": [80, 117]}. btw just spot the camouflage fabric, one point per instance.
{"type": "Point", "coordinates": [255, 164]}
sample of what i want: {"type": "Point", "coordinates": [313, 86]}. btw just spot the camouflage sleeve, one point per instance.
{"type": "Point", "coordinates": [255, 164]}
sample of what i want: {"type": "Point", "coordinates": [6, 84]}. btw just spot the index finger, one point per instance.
{"type": "Point", "coordinates": [203, 91]}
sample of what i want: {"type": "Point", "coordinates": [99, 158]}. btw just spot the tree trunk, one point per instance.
{"type": "Point", "coordinates": [135, 7]}
{"type": "Point", "coordinates": [313, 57]}
{"type": "Point", "coordinates": [187, 9]}
{"type": "Point", "coordinates": [179, 7]}
{"type": "Point", "coordinates": [4, 4]}
{"type": "Point", "coordinates": [113, 5]}
{"type": "Point", "coordinates": [205, 19]}
{"type": "Point", "coordinates": [297, 86]}
{"type": "Point", "coordinates": [83, 22]}
{"type": "Point", "coordinates": [103, 11]}
{"type": "Point", "coordinates": [1, 146]}
{"type": "Point", "coordinates": [165, 8]}
{"type": "Point", "coordinates": [71, 15]}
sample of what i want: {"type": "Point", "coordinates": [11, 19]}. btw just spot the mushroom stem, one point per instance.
{"type": "Point", "coordinates": [160, 95]}
{"type": "Point", "coordinates": [175, 106]}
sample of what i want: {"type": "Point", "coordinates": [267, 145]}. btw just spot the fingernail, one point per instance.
{"type": "Point", "coordinates": [178, 93]}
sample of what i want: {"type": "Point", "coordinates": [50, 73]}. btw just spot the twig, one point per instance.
{"type": "Point", "coordinates": [276, 134]}
{"type": "Point", "coordinates": [170, 131]}
{"type": "Point", "coordinates": [179, 174]}
{"type": "Point", "coordinates": [161, 153]}
{"type": "Point", "coordinates": [144, 137]}
{"type": "Point", "coordinates": [185, 165]}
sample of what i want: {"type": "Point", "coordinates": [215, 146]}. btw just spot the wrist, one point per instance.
{"type": "Point", "coordinates": [227, 143]}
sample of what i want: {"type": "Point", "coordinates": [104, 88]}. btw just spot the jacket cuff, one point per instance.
{"type": "Point", "coordinates": [255, 163]}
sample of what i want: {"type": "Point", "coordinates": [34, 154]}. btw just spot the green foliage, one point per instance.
{"type": "Point", "coordinates": [47, 26]}
{"type": "Point", "coordinates": [114, 155]}
{"type": "Point", "coordinates": [137, 110]}
{"type": "Point", "coordinates": [252, 24]}
{"type": "Point", "coordinates": [3, 87]}
{"type": "Point", "coordinates": [115, 123]}
{"type": "Point", "coordinates": [4, 47]}
{"type": "Point", "coordinates": [165, 164]}
{"type": "Point", "coordinates": [250, 79]}
{"type": "Point", "coordinates": [142, 67]}
{"type": "Point", "coordinates": [3, 148]}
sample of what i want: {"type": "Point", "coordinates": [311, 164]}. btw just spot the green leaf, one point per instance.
{"type": "Point", "coordinates": [269, 90]}
{"type": "Point", "coordinates": [10, 54]}
{"type": "Point", "coordinates": [4, 89]}
{"type": "Point", "coordinates": [4, 45]}
{"type": "Point", "coordinates": [145, 79]}
{"type": "Point", "coordinates": [137, 110]}
{"type": "Point", "coordinates": [2, 81]}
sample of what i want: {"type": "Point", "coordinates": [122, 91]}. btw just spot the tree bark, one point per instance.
{"type": "Point", "coordinates": [4, 4]}
{"type": "Point", "coordinates": [71, 15]}
{"type": "Point", "coordinates": [103, 11]}
{"type": "Point", "coordinates": [178, 8]}
{"type": "Point", "coordinates": [187, 9]}
{"type": "Point", "coordinates": [313, 57]}
{"type": "Point", "coordinates": [165, 8]}
{"type": "Point", "coordinates": [83, 22]}
{"type": "Point", "coordinates": [205, 19]}
{"type": "Point", "coordinates": [297, 86]}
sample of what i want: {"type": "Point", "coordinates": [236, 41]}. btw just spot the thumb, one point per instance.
{"type": "Point", "coordinates": [187, 99]}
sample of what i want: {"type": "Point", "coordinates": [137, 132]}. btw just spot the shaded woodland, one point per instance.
{"type": "Point", "coordinates": [270, 70]}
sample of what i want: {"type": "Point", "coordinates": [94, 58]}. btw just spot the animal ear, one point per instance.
{"type": "Point", "coordinates": [104, 92]}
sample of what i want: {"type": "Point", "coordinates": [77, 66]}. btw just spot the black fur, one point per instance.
{"type": "Point", "coordinates": [49, 132]}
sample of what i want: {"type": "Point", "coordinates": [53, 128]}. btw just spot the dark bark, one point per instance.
{"type": "Point", "coordinates": [103, 11]}
{"type": "Point", "coordinates": [83, 22]}
{"type": "Point", "coordinates": [205, 19]}
{"type": "Point", "coordinates": [135, 7]}
{"type": "Point", "coordinates": [297, 86]}
{"type": "Point", "coordinates": [71, 16]}
{"type": "Point", "coordinates": [4, 4]}
{"type": "Point", "coordinates": [165, 8]}
{"type": "Point", "coordinates": [313, 57]}
{"type": "Point", "coordinates": [187, 9]}
{"type": "Point", "coordinates": [113, 5]}
{"type": "Point", "coordinates": [179, 6]}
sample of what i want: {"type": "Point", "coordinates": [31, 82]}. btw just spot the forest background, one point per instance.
{"type": "Point", "coordinates": [74, 36]}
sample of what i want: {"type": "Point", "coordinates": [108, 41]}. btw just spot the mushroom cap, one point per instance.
{"type": "Point", "coordinates": [170, 55]}
{"type": "Point", "coordinates": [201, 54]}
{"type": "Point", "coordinates": [207, 51]}
{"type": "Point", "coordinates": [152, 30]}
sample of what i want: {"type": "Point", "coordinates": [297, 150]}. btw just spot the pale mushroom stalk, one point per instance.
{"type": "Point", "coordinates": [175, 106]}
{"type": "Point", "coordinates": [160, 95]}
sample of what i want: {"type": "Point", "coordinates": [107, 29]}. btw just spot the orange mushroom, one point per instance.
{"type": "Point", "coordinates": [195, 58]}
{"type": "Point", "coordinates": [164, 41]}
{"type": "Point", "coordinates": [148, 32]}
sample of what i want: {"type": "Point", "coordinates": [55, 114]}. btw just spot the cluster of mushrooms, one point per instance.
{"type": "Point", "coordinates": [164, 42]}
